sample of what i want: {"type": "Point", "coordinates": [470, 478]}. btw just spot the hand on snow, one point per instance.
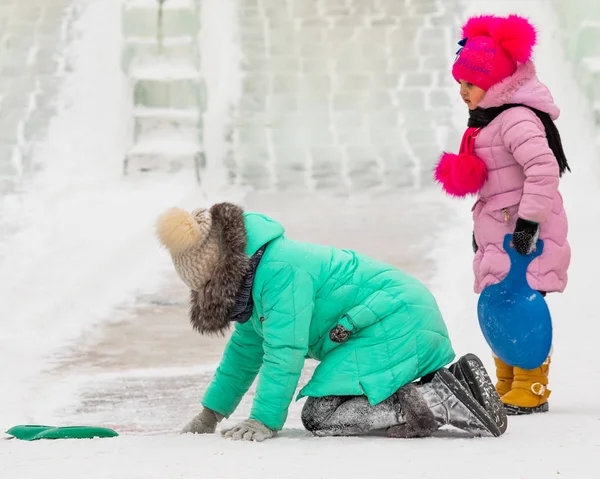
{"type": "Point", "coordinates": [525, 236]}
{"type": "Point", "coordinates": [204, 423]}
{"type": "Point", "coordinates": [249, 430]}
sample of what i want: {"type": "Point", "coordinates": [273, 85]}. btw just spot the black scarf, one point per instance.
{"type": "Point", "coordinates": [481, 117]}
{"type": "Point", "coordinates": [242, 311]}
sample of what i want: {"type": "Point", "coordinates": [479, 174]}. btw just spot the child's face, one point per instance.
{"type": "Point", "coordinates": [471, 94]}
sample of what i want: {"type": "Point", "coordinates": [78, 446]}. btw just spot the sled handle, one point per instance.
{"type": "Point", "coordinates": [512, 253]}
{"type": "Point", "coordinates": [518, 262]}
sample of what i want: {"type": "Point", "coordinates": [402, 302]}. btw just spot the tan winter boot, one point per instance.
{"type": "Point", "coordinates": [529, 393]}
{"type": "Point", "coordinates": [505, 375]}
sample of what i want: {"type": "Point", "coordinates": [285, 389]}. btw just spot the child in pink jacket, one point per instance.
{"type": "Point", "coordinates": [511, 157]}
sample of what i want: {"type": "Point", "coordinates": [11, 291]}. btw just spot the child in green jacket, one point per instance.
{"type": "Point", "coordinates": [374, 329]}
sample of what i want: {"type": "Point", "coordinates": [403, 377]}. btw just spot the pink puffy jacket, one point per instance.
{"type": "Point", "coordinates": [523, 178]}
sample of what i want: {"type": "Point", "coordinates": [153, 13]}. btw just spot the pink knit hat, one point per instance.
{"type": "Point", "coordinates": [491, 49]}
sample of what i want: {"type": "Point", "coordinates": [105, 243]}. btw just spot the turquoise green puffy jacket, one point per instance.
{"type": "Point", "coordinates": [301, 292]}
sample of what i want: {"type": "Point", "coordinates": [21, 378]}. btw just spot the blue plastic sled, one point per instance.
{"type": "Point", "coordinates": [514, 318]}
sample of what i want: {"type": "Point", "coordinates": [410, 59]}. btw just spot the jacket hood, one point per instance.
{"type": "Point", "coordinates": [260, 229]}
{"type": "Point", "coordinates": [522, 87]}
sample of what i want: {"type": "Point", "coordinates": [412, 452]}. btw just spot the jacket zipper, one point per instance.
{"type": "Point", "coordinates": [506, 215]}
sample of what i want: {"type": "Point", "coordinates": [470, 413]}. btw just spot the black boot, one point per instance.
{"type": "Point", "coordinates": [419, 421]}
{"type": "Point", "coordinates": [471, 373]}
{"type": "Point", "coordinates": [451, 404]}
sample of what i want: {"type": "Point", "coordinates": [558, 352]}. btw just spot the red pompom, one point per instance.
{"type": "Point", "coordinates": [479, 26]}
{"type": "Point", "coordinates": [516, 35]}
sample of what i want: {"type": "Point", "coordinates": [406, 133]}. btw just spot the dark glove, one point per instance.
{"type": "Point", "coordinates": [474, 243]}
{"type": "Point", "coordinates": [525, 236]}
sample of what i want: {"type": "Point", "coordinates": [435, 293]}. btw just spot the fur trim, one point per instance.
{"type": "Point", "coordinates": [178, 231]}
{"type": "Point", "coordinates": [501, 93]}
{"type": "Point", "coordinates": [460, 175]}
{"type": "Point", "coordinates": [478, 26]}
{"type": "Point", "coordinates": [443, 173]}
{"type": "Point", "coordinates": [244, 303]}
{"type": "Point", "coordinates": [419, 420]}
{"type": "Point", "coordinates": [211, 311]}
{"type": "Point", "coordinates": [517, 37]}
{"type": "Point", "coordinates": [469, 174]}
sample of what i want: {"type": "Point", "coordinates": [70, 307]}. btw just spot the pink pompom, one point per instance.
{"type": "Point", "coordinates": [516, 35]}
{"type": "Point", "coordinates": [460, 175]}
{"type": "Point", "coordinates": [479, 26]}
{"type": "Point", "coordinates": [443, 173]}
{"type": "Point", "coordinates": [469, 173]}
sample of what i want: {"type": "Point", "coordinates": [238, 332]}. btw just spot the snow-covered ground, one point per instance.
{"type": "Point", "coordinates": [76, 234]}
{"type": "Point", "coordinates": [79, 240]}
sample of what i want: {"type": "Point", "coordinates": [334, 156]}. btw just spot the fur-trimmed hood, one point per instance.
{"type": "Point", "coordinates": [522, 87]}
{"type": "Point", "coordinates": [220, 278]}
{"type": "Point", "coordinates": [211, 309]}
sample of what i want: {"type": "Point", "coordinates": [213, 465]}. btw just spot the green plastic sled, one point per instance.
{"type": "Point", "coordinates": [32, 432]}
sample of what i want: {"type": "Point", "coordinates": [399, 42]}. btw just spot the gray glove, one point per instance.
{"type": "Point", "coordinates": [204, 423]}
{"type": "Point", "coordinates": [249, 430]}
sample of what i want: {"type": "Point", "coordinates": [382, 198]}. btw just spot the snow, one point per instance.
{"type": "Point", "coordinates": [80, 238]}
{"type": "Point", "coordinates": [167, 113]}
{"type": "Point", "coordinates": [221, 59]}
{"type": "Point", "coordinates": [181, 40]}
{"type": "Point", "coordinates": [88, 231]}
{"type": "Point", "coordinates": [166, 142]}
{"type": "Point", "coordinates": [167, 5]}
{"type": "Point", "coordinates": [592, 63]}
{"type": "Point", "coordinates": [165, 70]}
{"type": "Point", "coordinates": [296, 455]}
